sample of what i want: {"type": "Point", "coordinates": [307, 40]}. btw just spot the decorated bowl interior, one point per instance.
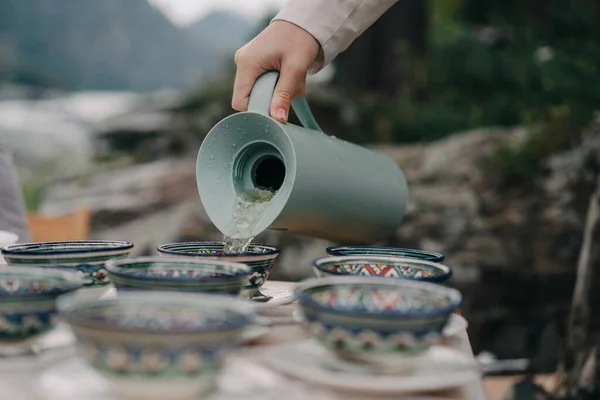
{"type": "Point", "coordinates": [385, 251]}
{"type": "Point", "coordinates": [391, 267]}
{"type": "Point", "coordinates": [171, 269]}
{"type": "Point", "coordinates": [31, 282]}
{"type": "Point", "coordinates": [212, 249]}
{"type": "Point", "coordinates": [368, 296]}
{"type": "Point", "coordinates": [156, 313]}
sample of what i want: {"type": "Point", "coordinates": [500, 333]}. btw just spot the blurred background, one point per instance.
{"type": "Point", "coordinates": [489, 106]}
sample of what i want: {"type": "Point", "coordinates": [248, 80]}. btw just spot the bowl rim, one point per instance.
{"type": "Point", "coordinates": [96, 246]}
{"type": "Point", "coordinates": [163, 248]}
{"type": "Point", "coordinates": [446, 271]}
{"type": "Point", "coordinates": [244, 312]}
{"type": "Point", "coordinates": [340, 251]}
{"type": "Point", "coordinates": [454, 295]}
{"type": "Point", "coordinates": [117, 267]}
{"type": "Point", "coordinates": [72, 280]}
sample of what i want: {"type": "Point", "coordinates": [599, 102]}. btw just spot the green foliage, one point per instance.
{"type": "Point", "coordinates": [523, 70]}
{"type": "Point", "coordinates": [444, 20]}
{"type": "Point", "coordinates": [35, 183]}
{"type": "Point", "coordinates": [520, 165]}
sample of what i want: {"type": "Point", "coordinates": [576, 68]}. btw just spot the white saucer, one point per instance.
{"type": "Point", "coordinates": [240, 379]}
{"type": "Point", "coordinates": [280, 294]}
{"type": "Point", "coordinates": [308, 361]}
{"type": "Point", "coordinates": [73, 379]}
{"type": "Point", "coordinates": [245, 379]}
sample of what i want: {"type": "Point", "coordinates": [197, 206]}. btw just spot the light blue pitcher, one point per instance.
{"type": "Point", "coordinates": [325, 187]}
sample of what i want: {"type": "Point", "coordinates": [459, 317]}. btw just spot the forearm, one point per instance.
{"type": "Point", "coordinates": [334, 23]}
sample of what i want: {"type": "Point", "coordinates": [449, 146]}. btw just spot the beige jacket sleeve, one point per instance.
{"type": "Point", "coordinates": [334, 23]}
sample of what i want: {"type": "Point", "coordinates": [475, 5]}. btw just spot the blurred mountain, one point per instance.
{"type": "Point", "coordinates": [99, 44]}
{"type": "Point", "coordinates": [225, 31]}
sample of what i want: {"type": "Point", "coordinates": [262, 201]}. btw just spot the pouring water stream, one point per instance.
{"type": "Point", "coordinates": [249, 211]}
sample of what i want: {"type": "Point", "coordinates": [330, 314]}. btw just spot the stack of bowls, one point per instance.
{"type": "Point", "coordinates": [386, 262]}
{"type": "Point", "coordinates": [378, 305]}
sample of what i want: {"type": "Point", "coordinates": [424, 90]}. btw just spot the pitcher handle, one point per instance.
{"type": "Point", "coordinates": [262, 93]}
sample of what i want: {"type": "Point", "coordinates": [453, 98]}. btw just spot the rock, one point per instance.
{"type": "Point", "coordinates": [150, 231]}
{"type": "Point", "coordinates": [134, 190]}
{"type": "Point", "coordinates": [453, 159]}
{"type": "Point", "coordinates": [491, 247]}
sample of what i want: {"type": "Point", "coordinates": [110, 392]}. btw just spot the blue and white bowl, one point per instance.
{"type": "Point", "coordinates": [86, 257]}
{"type": "Point", "coordinates": [259, 257]}
{"type": "Point", "coordinates": [157, 345]}
{"type": "Point", "coordinates": [28, 301]}
{"type": "Point", "coordinates": [386, 267]}
{"type": "Point", "coordinates": [181, 274]}
{"type": "Point", "coordinates": [385, 251]}
{"type": "Point", "coordinates": [371, 319]}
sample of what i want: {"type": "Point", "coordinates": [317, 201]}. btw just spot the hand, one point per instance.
{"type": "Point", "coordinates": [284, 47]}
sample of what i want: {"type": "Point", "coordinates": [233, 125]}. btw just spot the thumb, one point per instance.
{"type": "Point", "coordinates": [290, 79]}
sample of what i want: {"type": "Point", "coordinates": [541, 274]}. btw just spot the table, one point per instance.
{"type": "Point", "coordinates": [17, 382]}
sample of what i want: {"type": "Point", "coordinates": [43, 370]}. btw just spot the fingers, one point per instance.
{"type": "Point", "coordinates": [291, 82]}
{"type": "Point", "coordinates": [245, 76]}
{"type": "Point", "coordinates": [290, 85]}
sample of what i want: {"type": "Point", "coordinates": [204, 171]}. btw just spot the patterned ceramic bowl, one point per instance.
{"type": "Point", "coordinates": [86, 257]}
{"type": "Point", "coordinates": [388, 267]}
{"type": "Point", "coordinates": [178, 274]}
{"type": "Point", "coordinates": [28, 300]}
{"type": "Point", "coordinates": [157, 345]}
{"type": "Point", "coordinates": [385, 251]}
{"type": "Point", "coordinates": [260, 258]}
{"type": "Point", "coordinates": [365, 318]}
